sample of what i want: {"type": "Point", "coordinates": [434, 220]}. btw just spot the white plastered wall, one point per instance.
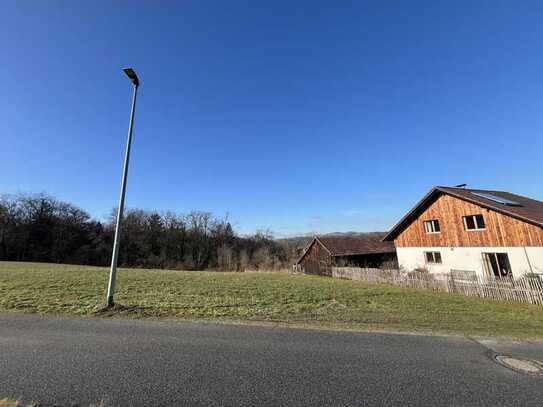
{"type": "Point", "coordinates": [522, 259]}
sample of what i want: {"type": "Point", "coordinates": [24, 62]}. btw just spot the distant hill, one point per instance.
{"type": "Point", "coordinates": [307, 238]}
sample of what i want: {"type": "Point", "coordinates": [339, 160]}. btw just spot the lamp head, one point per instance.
{"type": "Point", "coordinates": [132, 76]}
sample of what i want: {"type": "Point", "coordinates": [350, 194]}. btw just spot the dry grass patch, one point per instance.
{"type": "Point", "coordinates": [16, 403]}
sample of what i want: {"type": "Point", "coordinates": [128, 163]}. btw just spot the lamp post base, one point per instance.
{"type": "Point", "coordinates": [110, 302]}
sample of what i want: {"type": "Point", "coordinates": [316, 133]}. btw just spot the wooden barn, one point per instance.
{"type": "Point", "coordinates": [365, 250]}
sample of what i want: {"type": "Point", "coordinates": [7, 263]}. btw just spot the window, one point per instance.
{"type": "Point", "coordinates": [497, 264]}
{"type": "Point", "coordinates": [474, 222]}
{"type": "Point", "coordinates": [432, 226]}
{"type": "Point", "coordinates": [433, 257]}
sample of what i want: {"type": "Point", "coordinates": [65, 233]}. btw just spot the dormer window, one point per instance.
{"type": "Point", "coordinates": [432, 226]}
{"type": "Point", "coordinates": [474, 222]}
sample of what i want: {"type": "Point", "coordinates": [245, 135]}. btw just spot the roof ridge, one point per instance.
{"type": "Point", "coordinates": [473, 189]}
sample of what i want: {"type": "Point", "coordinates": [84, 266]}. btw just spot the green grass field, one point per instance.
{"type": "Point", "coordinates": [281, 298]}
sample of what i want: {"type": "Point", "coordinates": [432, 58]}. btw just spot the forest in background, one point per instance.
{"type": "Point", "coordinates": [40, 228]}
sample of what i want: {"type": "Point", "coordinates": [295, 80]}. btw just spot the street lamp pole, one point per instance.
{"type": "Point", "coordinates": [113, 272]}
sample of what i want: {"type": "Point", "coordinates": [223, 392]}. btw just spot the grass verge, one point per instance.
{"type": "Point", "coordinates": [281, 298]}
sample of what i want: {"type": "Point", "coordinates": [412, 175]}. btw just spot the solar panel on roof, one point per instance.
{"type": "Point", "coordinates": [498, 199]}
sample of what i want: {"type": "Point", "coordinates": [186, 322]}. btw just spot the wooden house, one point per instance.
{"type": "Point", "coordinates": [489, 233]}
{"type": "Point", "coordinates": [365, 250]}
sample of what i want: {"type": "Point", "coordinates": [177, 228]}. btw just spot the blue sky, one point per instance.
{"type": "Point", "coordinates": [301, 116]}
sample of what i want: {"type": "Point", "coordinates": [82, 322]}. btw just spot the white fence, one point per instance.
{"type": "Point", "coordinates": [527, 289]}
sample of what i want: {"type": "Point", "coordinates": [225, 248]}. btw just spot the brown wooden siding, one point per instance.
{"type": "Point", "coordinates": [501, 230]}
{"type": "Point", "coordinates": [317, 260]}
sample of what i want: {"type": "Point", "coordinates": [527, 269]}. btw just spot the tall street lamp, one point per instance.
{"type": "Point", "coordinates": [113, 273]}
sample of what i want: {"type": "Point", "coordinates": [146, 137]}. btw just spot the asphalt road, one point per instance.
{"type": "Point", "coordinates": [60, 361]}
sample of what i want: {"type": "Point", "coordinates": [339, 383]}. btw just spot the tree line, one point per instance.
{"type": "Point", "coordinates": [38, 227]}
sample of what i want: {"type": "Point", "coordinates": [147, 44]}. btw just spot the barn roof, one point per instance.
{"type": "Point", "coordinates": [353, 245]}
{"type": "Point", "coordinates": [516, 206]}
{"type": "Point", "coordinates": [359, 244]}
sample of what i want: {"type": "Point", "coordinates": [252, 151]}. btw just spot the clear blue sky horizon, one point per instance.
{"type": "Point", "coordinates": [300, 117]}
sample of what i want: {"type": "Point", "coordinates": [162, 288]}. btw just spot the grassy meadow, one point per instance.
{"type": "Point", "coordinates": [281, 298]}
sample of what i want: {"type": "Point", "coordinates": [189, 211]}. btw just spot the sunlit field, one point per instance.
{"type": "Point", "coordinates": [279, 298]}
